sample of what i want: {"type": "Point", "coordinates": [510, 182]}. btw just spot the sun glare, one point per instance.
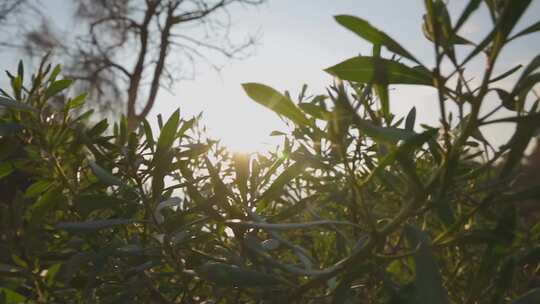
{"type": "Point", "coordinates": [246, 144]}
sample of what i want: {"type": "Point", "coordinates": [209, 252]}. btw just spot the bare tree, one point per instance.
{"type": "Point", "coordinates": [11, 14]}
{"type": "Point", "coordinates": [127, 50]}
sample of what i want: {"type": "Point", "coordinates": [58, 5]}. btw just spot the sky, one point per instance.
{"type": "Point", "coordinates": [298, 39]}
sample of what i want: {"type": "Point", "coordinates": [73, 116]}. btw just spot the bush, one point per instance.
{"type": "Point", "coordinates": [357, 206]}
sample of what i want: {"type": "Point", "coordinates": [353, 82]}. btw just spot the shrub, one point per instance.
{"type": "Point", "coordinates": [357, 206]}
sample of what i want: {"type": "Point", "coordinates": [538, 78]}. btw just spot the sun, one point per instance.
{"type": "Point", "coordinates": [247, 144]}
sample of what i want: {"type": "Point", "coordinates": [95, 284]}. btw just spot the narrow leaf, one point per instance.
{"type": "Point", "coordinates": [92, 226]}
{"type": "Point", "coordinates": [9, 103]}
{"type": "Point", "coordinates": [229, 275]}
{"type": "Point", "coordinates": [531, 297]}
{"type": "Point", "coordinates": [283, 179]}
{"type": "Point", "coordinates": [529, 30]}
{"type": "Point", "coordinates": [411, 118]}
{"type": "Point", "coordinates": [275, 101]}
{"type": "Point", "coordinates": [104, 176]}
{"type": "Point", "coordinates": [365, 30]}
{"type": "Point", "coordinates": [428, 280]}
{"type": "Point", "coordinates": [365, 69]}
{"type": "Point", "coordinates": [57, 87]}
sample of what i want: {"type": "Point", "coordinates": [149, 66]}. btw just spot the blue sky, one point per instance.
{"type": "Point", "coordinates": [299, 38]}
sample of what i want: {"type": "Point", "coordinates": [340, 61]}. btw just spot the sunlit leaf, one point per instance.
{"type": "Point", "coordinates": [163, 155]}
{"type": "Point", "coordinates": [365, 30]}
{"type": "Point", "coordinates": [241, 167]}
{"type": "Point", "coordinates": [282, 180]}
{"type": "Point", "coordinates": [275, 101]}
{"type": "Point", "coordinates": [379, 71]}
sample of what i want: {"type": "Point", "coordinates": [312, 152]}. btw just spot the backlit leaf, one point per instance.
{"type": "Point", "coordinates": [275, 101]}
{"type": "Point", "coordinates": [428, 282]}
{"type": "Point", "coordinates": [365, 30]}
{"type": "Point", "coordinates": [379, 71]}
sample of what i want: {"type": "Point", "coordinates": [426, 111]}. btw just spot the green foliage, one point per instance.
{"type": "Point", "coordinates": [356, 206]}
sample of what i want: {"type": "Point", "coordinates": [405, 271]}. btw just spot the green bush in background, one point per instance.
{"type": "Point", "coordinates": [356, 206]}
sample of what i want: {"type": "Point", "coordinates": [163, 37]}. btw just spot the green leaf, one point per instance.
{"type": "Point", "coordinates": [36, 214]}
{"type": "Point", "coordinates": [531, 297]}
{"type": "Point", "coordinates": [193, 151]}
{"type": "Point", "coordinates": [229, 275]}
{"type": "Point", "coordinates": [168, 133]}
{"type": "Point", "coordinates": [531, 67]}
{"type": "Point", "coordinates": [365, 30]}
{"type": "Point", "coordinates": [11, 296]}
{"type": "Point", "coordinates": [520, 140]}
{"type": "Point", "coordinates": [37, 188]}
{"type": "Point", "coordinates": [506, 74]}
{"type": "Point", "coordinates": [382, 134]}
{"type": "Point", "coordinates": [283, 179]}
{"type": "Point", "coordinates": [471, 7]}
{"type": "Point", "coordinates": [6, 168]}
{"type": "Point", "coordinates": [315, 110]}
{"type": "Point", "coordinates": [343, 294]}
{"type": "Point", "coordinates": [92, 226]}
{"type": "Point", "coordinates": [16, 84]}
{"type": "Point", "coordinates": [506, 22]}
{"type": "Point", "coordinates": [428, 282]}
{"type": "Point", "coordinates": [57, 87]}
{"type": "Point", "coordinates": [164, 154]}
{"type": "Point", "coordinates": [55, 72]}
{"type": "Point", "coordinates": [103, 175]}
{"type": "Point", "coordinates": [98, 128]}
{"type": "Point", "coordinates": [9, 103]}
{"type": "Point", "coordinates": [77, 101]}
{"type": "Point", "coordinates": [409, 121]}
{"type": "Point", "coordinates": [528, 30]}
{"type": "Point", "coordinates": [86, 203]}
{"type": "Point", "coordinates": [148, 133]}
{"type": "Point", "coordinates": [530, 193]}
{"type": "Point", "coordinates": [276, 102]}
{"type": "Point", "coordinates": [277, 133]}
{"type": "Point", "coordinates": [365, 69]}
{"type": "Point", "coordinates": [286, 226]}
{"type": "Point", "coordinates": [20, 70]}
{"type": "Point", "coordinates": [241, 168]}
